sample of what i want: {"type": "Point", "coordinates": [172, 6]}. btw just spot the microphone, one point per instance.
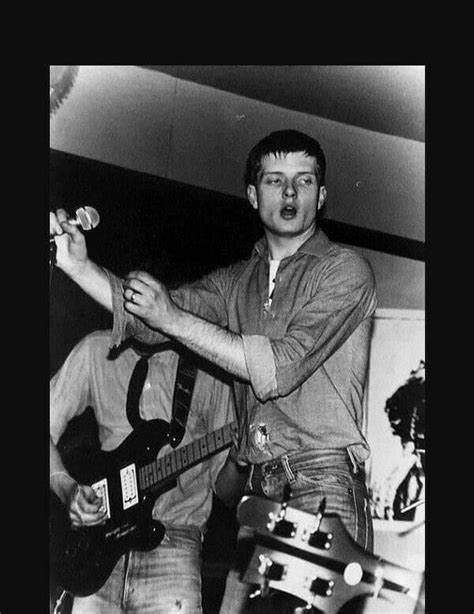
{"type": "Point", "coordinates": [86, 217]}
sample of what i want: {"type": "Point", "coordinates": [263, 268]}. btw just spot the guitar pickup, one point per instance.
{"type": "Point", "coordinates": [270, 570]}
{"type": "Point", "coordinates": [322, 587]}
{"type": "Point", "coordinates": [320, 539]}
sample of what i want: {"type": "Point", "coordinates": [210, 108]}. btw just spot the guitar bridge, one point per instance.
{"type": "Point", "coordinates": [101, 490]}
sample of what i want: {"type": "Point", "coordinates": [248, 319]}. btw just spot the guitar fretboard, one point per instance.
{"type": "Point", "coordinates": [171, 465]}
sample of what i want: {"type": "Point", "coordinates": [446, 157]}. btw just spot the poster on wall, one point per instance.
{"type": "Point", "coordinates": [395, 418]}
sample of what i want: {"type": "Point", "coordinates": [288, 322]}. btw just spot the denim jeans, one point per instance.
{"type": "Point", "coordinates": [164, 580]}
{"type": "Point", "coordinates": [311, 476]}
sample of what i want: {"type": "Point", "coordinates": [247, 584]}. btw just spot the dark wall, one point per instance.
{"type": "Point", "coordinates": [176, 231]}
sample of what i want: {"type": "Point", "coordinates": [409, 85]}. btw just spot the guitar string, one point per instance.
{"type": "Point", "coordinates": [193, 453]}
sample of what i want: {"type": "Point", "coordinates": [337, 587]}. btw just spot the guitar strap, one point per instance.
{"type": "Point", "coordinates": [134, 392]}
{"type": "Point", "coordinates": [183, 392]}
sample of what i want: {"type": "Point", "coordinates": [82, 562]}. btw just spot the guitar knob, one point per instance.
{"type": "Point", "coordinates": [320, 540]}
{"type": "Point", "coordinates": [283, 528]}
{"type": "Point", "coordinates": [279, 526]}
{"type": "Point", "coordinates": [270, 570]}
{"type": "Point", "coordinates": [321, 587]}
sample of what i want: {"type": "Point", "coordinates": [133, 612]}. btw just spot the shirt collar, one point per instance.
{"type": "Point", "coordinates": [317, 245]}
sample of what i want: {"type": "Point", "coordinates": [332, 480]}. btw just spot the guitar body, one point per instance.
{"type": "Point", "coordinates": [129, 479]}
{"type": "Point", "coordinates": [315, 559]}
{"type": "Point", "coordinates": [85, 557]}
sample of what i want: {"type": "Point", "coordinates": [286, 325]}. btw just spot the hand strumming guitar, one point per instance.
{"type": "Point", "coordinates": [83, 504]}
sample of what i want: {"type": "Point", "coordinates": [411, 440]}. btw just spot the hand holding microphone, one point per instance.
{"type": "Point", "coordinates": [86, 217]}
{"type": "Point", "coordinates": [67, 243]}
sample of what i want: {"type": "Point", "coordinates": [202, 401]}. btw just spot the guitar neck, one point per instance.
{"type": "Point", "coordinates": [166, 468]}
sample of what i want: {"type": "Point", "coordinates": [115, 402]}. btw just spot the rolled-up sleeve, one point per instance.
{"type": "Point", "coordinates": [118, 330]}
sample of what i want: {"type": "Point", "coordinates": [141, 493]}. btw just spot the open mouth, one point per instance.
{"type": "Point", "coordinates": [288, 212]}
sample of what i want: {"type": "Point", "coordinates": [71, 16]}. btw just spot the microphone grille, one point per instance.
{"type": "Point", "coordinates": [88, 217]}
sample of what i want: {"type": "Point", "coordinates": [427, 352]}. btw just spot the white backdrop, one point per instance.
{"type": "Point", "coordinates": [398, 346]}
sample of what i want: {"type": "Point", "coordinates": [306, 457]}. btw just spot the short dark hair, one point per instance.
{"type": "Point", "coordinates": [283, 142]}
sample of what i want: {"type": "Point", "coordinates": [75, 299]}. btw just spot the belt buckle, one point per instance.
{"type": "Point", "coordinates": [270, 466]}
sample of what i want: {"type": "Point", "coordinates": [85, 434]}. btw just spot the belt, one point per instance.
{"type": "Point", "coordinates": [284, 463]}
{"type": "Point", "coordinates": [287, 465]}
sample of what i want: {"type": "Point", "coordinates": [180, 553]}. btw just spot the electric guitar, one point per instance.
{"type": "Point", "coordinates": [129, 479]}
{"type": "Point", "coordinates": [314, 558]}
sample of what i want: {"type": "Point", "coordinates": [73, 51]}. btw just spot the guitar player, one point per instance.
{"type": "Point", "coordinates": [167, 578]}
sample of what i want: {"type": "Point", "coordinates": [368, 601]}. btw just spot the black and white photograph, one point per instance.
{"type": "Point", "coordinates": [237, 339]}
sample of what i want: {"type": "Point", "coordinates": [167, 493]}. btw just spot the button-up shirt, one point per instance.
{"type": "Point", "coordinates": [306, 352]}
{"type": "Point", "coordinates": [88, 377]}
